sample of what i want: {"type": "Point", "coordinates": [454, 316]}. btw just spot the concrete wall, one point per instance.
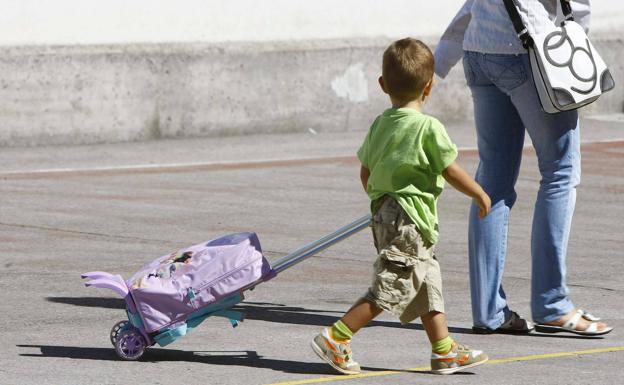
{"type": "Point", "coordinates": [75, 71]}
{"type": "Point", "coordinates": [117, 93]}
{"type": "Point", "coordinates": [91, 94]}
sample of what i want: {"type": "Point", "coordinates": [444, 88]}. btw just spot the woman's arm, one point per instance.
{"type": "Point", "coordinates": [449, 49]}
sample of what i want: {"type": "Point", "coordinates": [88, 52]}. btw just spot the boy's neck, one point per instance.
{"type": "Point", "coordinates": [416, 104]}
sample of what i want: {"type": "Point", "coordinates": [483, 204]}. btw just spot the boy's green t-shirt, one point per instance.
{"type": "Point", "coordinates": [406, 152]}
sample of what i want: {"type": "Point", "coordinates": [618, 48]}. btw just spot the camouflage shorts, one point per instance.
{"type": "Point", "coordinates": [407, 280]}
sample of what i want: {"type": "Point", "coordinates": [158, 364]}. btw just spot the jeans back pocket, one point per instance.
{"type": "Point", "coordinates": [506, 71]}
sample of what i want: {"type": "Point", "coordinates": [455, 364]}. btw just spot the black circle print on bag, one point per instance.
{"type": "Point", "coordinates": [563, 38]}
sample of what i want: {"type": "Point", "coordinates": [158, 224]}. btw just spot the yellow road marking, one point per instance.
{"type": "Point", "coordinates": [533, 357]}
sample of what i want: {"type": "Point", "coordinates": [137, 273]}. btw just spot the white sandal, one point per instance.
{"type": "Point", "coordinates": [588, 316]}
{"type": "Point", "coordinates": [570, 326]}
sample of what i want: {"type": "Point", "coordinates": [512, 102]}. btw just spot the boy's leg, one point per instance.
{"type": "Point", "coordinates": [437, 331]}
{"type": "Point", "coordinates": [447, 356]}
{"type": "Point", "coordinates": [434, 324]}
{"type": "Point", "coordinates": [360, 315]}
{"type": "Point", "coordinates": [332, 344]}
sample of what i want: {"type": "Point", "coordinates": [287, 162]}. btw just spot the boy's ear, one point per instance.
{"type": "Point", "coordinates": [427, 89]}
{"type": "Point", "coordinates": [382, 85]}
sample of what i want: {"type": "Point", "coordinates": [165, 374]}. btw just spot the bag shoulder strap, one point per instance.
{"type": "Point", "coordinates": [566, 9]}
{"type": "Point", "coordinates": [521, 29]}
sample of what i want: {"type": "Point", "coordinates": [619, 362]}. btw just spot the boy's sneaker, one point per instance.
{"type": "Point", "coordinates": [460, 357]}
{"type": "Point", "coordinates": [337, 354]}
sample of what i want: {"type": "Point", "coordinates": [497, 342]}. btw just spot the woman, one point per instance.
{"type": "Point", "coordinates": [506, 105]}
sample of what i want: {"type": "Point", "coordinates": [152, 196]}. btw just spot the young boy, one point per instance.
{"type": "Point", "coordinates": [405, 158]}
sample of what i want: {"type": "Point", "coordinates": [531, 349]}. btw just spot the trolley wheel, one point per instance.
{"type": "Point", "coordinates": [118, 328]}
{"type": "Point", "coordinates": [130, 344]}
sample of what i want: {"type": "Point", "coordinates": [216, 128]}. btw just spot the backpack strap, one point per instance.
{"type": "Point", "coordinates": [234, 316]}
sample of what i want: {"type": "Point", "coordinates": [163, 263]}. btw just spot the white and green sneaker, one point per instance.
{"type": "Point", "coordinates": [460, 357]}
{"type": "Point", "coordinates": [337, 354]}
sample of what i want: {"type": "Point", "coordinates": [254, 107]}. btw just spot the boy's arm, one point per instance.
{"type": "Point", "coordinates": [458, 178]}
{"type": "Point", "coordinates": [364, 174]}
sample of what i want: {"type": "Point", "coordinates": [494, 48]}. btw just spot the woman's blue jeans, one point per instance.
{"type": "Point", "coordinates": [505, 104]}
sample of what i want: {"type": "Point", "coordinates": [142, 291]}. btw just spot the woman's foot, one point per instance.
{"type": "Point", "coordinates": [514, 324]}
{"type": "Point", "coordinates": [575, 322]}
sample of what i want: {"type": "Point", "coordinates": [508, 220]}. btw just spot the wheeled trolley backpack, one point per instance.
{"type": "Point", "coordinates": [171, 296]}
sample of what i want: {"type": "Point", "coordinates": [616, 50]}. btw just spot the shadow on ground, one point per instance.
{"type": "Point", "coordinates": [259, 311]}
{"type": "Point", "coordinates": [228, 358]}
{"type": "Point", "coordinates": [270, 312]}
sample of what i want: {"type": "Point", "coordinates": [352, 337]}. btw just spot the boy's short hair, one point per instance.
{"type": "Point", "coordinates": [407, 68]}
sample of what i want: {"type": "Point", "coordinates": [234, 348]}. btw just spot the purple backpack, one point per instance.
{"type": "Point", "coordinates": [171, 296]}
{"type": "Point", "coordinates": [175, 285]}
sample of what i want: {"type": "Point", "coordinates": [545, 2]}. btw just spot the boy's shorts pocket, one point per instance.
{"type": "Point", "coordinates": [393, 282]}
{"type": "Point", "coordinates": [388, 212]}
{"type": "Point", "coordinates": [385, 222]}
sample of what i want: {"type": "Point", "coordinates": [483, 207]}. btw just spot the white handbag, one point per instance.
{"type": "Point", "coordinates": [567, 70]}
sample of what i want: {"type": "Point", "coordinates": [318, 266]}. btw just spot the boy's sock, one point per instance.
{"type": "Point", "coordinates": [442, 346]}
{"type": "Point", "coordinates": [340, 332]}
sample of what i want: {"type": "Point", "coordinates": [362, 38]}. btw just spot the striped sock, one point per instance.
{"type": "Point", "coordinates": [442, 346]}
{"type": "Point", "coordinates": [341, 332]}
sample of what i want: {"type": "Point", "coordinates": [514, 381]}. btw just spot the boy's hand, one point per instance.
{"type": "Point", "coordinates": [484, 203]}
{"type": "Point", "coordinates": [459, 179]}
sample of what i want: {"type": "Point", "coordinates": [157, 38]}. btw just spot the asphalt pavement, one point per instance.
{"type": "Point", "coordinates": [69, 210]}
